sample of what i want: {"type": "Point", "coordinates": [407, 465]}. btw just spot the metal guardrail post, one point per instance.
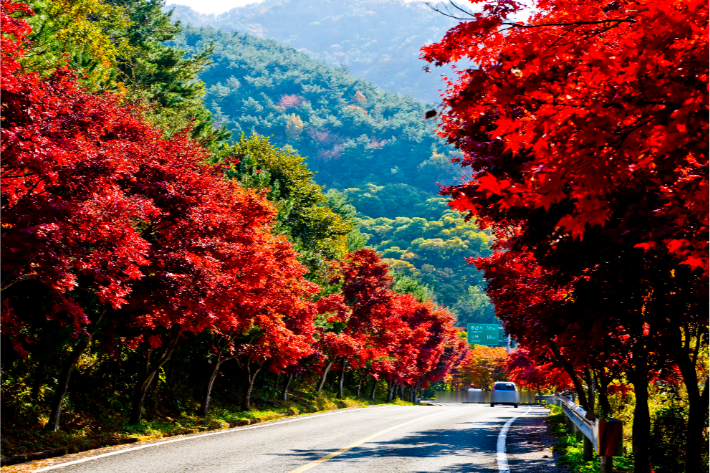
{"type": "Point", "coordinates": [607, 464]}
{"type": "Point", "coordinates": [604, 436]}
{"type": "Point", "coordinates": [588, 450]}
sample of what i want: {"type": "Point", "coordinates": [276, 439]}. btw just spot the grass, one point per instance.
{"type": "Point", "coordinates": [571, 448]}
{"type": "Point", "coordinates": [101, 431]}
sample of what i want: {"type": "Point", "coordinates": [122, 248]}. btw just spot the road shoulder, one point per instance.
{"type": "Point", "coordinates": [529, 444]}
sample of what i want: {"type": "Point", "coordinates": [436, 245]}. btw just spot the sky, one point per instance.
{"type": "Point", "coordinates": [217, 6]}
{"type": "Point", "coordinates": [212, 6]}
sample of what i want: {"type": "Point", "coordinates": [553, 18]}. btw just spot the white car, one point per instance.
{"type": "Point", "coordinates": [505, 392]}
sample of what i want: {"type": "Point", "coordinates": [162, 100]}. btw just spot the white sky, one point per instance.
{"type": "Point", "coordinates": [212, 6]}
{"type": "Point", "coordinates": [218, 6]}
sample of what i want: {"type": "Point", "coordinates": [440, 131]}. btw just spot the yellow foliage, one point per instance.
{"type": "Point", "coordinates": [87, 29]}
{"type": "Point", "coordinates": [294, 126]}
{"type": "Point", "coordinates": [356, 108]}
{"type": "Point", "coordinates": [483, 366]}
{"type": "Point", "coordinates": [360, 99]}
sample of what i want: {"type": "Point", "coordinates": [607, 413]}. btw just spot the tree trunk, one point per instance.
{"type": "Point", "coordinates": [698, 405]}
{"type": "Point", "coordinates": [171, 373]}
{"type": "Point", "coordinates": [204, 407]}
{"type": "Point", "coordinates": [39, 377]}
{"type": "Point", "coordinates": [288, 381]}
{"type": "Point", "coordinates": [642, 420]}
{"type": "Point", "coordinates": [143, 385]}
{"type": "Point", "coordinates": [63, 383]}
{"type": "Point", "coordinates": [603, 389]}
{"type": "Point", "coordinates": [390, 390]}
{"type": "Point", "coordinates": [588, 452]}
{"type": "Point", "coordinates": [591, 396]}
{"type": "Point", "coordinates": [325, 373]}
{"type": "Point", "coordinates": [359, 385]}
{"type": "Point", "coordinates": [374, 388]}
{"type": "Point", "coordinates": [342, 379]}
{"type": "Point", "coordinates": [567, 366]}
{"type": "Point", "coordinates": [246, 405]}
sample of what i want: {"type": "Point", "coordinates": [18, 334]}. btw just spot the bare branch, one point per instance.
{"type": "Point", "coordinates": [24, 277]}
{"type": "Point", "coordinates": [572, 23]}
{"type": "Point", "coordinates": [448, 12]}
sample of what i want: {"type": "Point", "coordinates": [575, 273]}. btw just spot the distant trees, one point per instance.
{"type": "Point", "coordinates": [384, 52]}
{"type": "Point", "coordinates": [483, 366]}
{"type": "Point", "coordinates": [352, 132]}
{"type": "Point", "coordinates": [375, 147]}
{"type": "Point", "coordinates": [435, 251]}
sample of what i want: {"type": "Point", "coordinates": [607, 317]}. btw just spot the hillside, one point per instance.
{"type": "Point", "coordinates": [434, 252]}
{"type": "Point", "coordinates": [353, 133]}
{"type": "Point", "coordinates": [377, 40]}
{"type": "Point", "coordinates": [374, 146]}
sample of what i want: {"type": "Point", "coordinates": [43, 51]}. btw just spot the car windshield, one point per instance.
{"type": "Point", "coordinates": [504, 387]}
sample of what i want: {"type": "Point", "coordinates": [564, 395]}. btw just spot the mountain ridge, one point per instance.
{"type": "Point", "coordinates": [377, 40]}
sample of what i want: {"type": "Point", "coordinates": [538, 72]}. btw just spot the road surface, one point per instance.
{"type": "Point", "coordinates": [448, 438]}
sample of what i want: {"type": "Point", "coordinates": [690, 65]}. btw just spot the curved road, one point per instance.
{"type": "Point", "coordinates": [450, 438]}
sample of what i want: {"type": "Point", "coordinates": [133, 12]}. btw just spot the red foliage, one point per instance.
{"type": "Point", "coordinates": [583, 101]}
{"type": "Point", "coordinates": [409, 342]}
{"type": "Point", "coordinates": [96, 201]}
{"type": "Point", "coordinates": [527, 373]}
{"type": "Point", "coordinates": [14, 33]}
{"type": "Point", "coordinates": [290, 101]}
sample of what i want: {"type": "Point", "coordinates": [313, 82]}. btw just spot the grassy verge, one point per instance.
{"type": "Point", "coordinates": [571, 448]}
{"type": "Point", "coordinates": [23, 440]}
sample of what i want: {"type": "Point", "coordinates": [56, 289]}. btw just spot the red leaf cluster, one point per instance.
{"type": "Point", "coordinates": [404, 340]}
{"type": "Point", "coordinates": [97, 202]}
{"type": "Point", "coordinates": [582, 101]}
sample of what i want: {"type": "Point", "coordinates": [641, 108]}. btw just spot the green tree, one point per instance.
{"type": "Point", "coordinates": [475, 307]}
{"type": "Point", "coordinates": [88, 34]}
{"type": "Point", "coordinates": [319, 232]}
{"type": "Point", "coordinates": [435, 252]}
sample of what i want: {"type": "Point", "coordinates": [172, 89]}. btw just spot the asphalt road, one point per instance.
{"type": "Point", "coordinates": [449, 438]}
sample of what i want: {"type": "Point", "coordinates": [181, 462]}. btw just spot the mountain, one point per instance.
{"type": "Point", "coordinates": [378, 40]}
{"type": "Point", "coordinates": [367, 142]}
{"type": "Point", "coordinates": [374, 146]}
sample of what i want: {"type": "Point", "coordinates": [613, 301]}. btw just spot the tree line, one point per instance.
{"type": "Point", "coordinates": [137, 239]}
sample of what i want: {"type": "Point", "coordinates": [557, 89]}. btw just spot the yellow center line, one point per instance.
{"type": "Point", "coordinates": [360, 442]}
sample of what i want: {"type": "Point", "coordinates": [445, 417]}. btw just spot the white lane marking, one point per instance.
{"type": "Point", "coordinates": [238, 429]}
{"type": "Point", "coordinates": [502, 457]}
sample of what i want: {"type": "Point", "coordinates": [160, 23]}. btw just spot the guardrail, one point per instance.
{"type": "Point", "coordinates": [605, 436]}
{"type": "Point", "coordinates": [486, 397]}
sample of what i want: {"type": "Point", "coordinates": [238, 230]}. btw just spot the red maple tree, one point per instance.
{"type": "Point", "coordinates": [134, 233]}
{"type": "Point", "coordinates": [585, 98]}
{"type": "Point", "coordinates": [585, 128]}
{"type": "Point", "coordinates": [527, 373]}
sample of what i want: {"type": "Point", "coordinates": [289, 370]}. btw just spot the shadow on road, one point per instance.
{"type": "Point", "coordinates": [468, 446]}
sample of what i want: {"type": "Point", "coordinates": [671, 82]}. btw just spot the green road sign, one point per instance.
{"type": "Point", "coordinates": [483, 334]}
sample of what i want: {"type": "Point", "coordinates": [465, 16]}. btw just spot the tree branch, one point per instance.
{"type": "Point", "coordinates": [572, 23]}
